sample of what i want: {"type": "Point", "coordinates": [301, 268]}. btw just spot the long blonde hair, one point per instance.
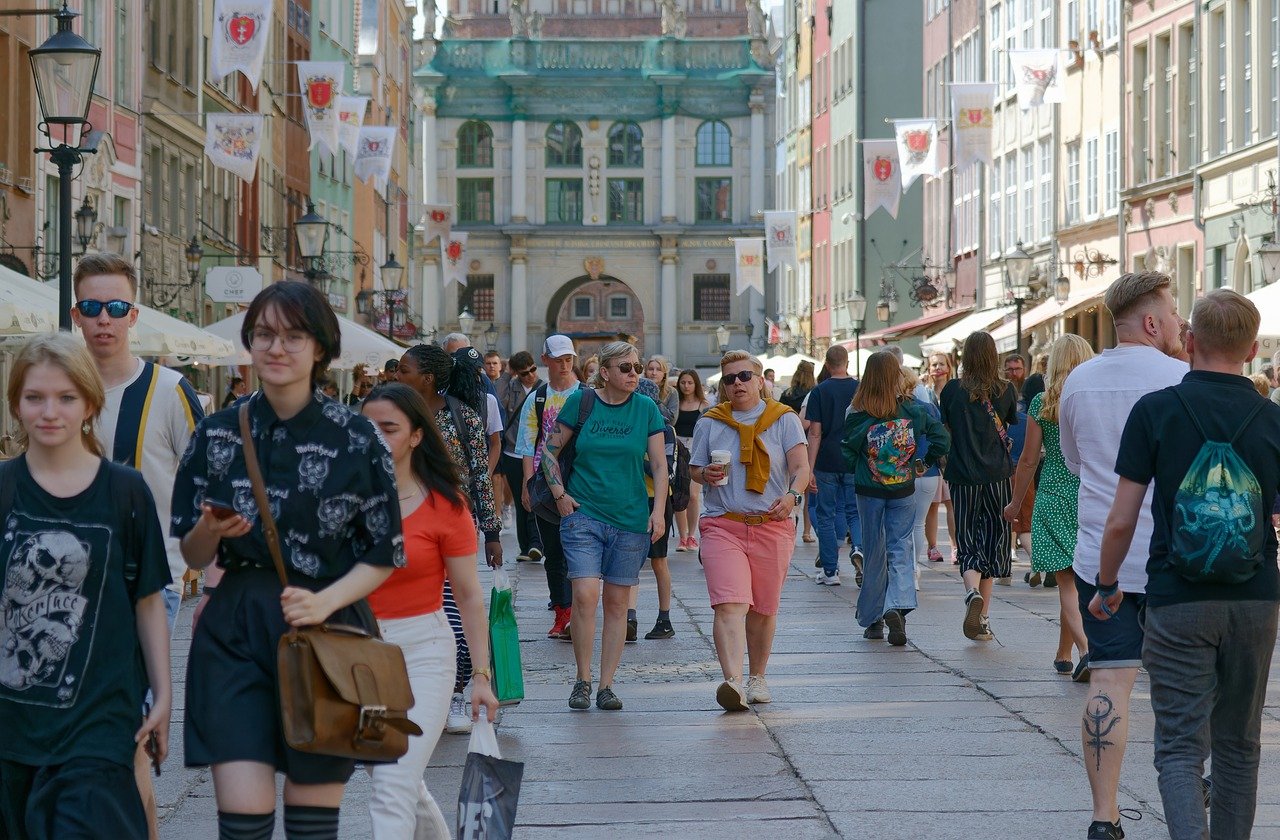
{"type": "Point", "coordinates": [664, 385]}
{"type": "Point", "coordinates": [1065, 355]}
{"type": "Point", "coordinates": [69, 354]}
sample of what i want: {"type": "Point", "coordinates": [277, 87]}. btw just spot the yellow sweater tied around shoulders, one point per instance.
{"type": "Point", "coordinates": [751, 450]}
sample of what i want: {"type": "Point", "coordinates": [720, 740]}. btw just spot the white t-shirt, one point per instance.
{"type": "Point", "coordinates": [1096, 400]}
{"type": "Point", "coordinates": [172, 410]}
{"type": "Point", "coordinates": [493, 416]}
{"type": "Point", "coordinates": [734, 497]}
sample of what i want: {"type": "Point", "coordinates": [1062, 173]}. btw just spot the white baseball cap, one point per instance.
{"type": "Point", "coordinates": [557, 346]}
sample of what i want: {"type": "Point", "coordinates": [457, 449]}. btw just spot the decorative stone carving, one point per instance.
{"type": "Point", "coordinates": [755, 19]}
{"type": "Point", "coordinates": [1150, 209]}
{"type": "Point", "coordinates": [1173, 201]}
{"type": "Point", "coordinates": [594, 267]}
{"type": "Point", "coordinates": [519, 21]}
{"type": "Point", "coordinates": [674, 24]}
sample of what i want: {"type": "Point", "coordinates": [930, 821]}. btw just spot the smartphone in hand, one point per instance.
{"type": "Point", "coordinates": [153, 750]}
{"type": "Point", "coordinates": [221, 510]}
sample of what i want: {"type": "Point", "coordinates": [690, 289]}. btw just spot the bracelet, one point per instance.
{"type": "Point", "coordinates": [1106, 591]}
{"type": "Point", "coordinates": [482, 672]}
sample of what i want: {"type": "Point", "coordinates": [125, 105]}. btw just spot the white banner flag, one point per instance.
{"type": "Point", "coordinates": [373, 154]}
{"type": "Point", "coordinates": [917, 150]}
{"type": "Point", "coordinates": [350, 118]}
{"type": "Point", "coordinates": [438, 220]}
{"type": "Point", "coordinates": [780, 238]}
{"type": "Point", "coordinates": [748, 259]}
{"type": "Point", "coordinates": [971, 122]}
{"type": "Point", "coordinates": [881, 180]}
{"type": "Point", "coordinates": [241, 29]}
{"type": "Point", "coordinates": [232, 142]}
{"type": "Point", "coordinates": [321, 85]}
{"type": "Point", "coordinates": [1038, 75]}
{"type": "Point", "coordinates": [453, 249]}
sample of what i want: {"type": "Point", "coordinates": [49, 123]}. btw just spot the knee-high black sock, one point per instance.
{"type": "Point", "coordinates": [245, 826]}
{"type": "Point", "coordinates": [308, 822]}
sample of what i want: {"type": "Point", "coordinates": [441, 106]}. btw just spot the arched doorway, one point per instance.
{"type": "Point", "coordinates": [595, 312]}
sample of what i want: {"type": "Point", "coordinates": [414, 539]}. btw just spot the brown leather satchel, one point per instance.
{"type": "Point", "coordinates": [342, 692]}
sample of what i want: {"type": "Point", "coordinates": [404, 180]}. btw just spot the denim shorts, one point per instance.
{"type": "Point", "coordinates": [595, 549]}
{"type": "Point", "coordinates": [1116, 642]}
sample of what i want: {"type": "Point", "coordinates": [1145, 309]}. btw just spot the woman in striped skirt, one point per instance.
{"type": "Point", "coordinates": [978, 408]}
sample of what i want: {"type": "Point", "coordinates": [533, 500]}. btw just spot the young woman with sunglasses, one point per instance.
{"type": "Point", "coordinates": [605, 525]}
{"type": "Point", "coordinates": [331, 481]}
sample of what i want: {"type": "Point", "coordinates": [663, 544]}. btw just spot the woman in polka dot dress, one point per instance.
{"type": "Point", "coordinates": [1053, 521]}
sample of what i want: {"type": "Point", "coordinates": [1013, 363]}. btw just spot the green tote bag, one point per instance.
{"type": "Point", "coordinates": [504, 641]}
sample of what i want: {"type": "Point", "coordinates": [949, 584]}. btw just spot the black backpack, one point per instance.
{"type": "Point", "coordinates": [681, 479]}
{"type": "Point", "coordinates": [540, 500]}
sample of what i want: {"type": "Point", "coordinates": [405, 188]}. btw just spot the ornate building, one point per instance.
{"type": "Point", "coordinates": [601, 154]}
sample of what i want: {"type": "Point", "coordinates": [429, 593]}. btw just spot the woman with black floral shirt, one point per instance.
{"type": "Point", "coordinates": [331, 482]}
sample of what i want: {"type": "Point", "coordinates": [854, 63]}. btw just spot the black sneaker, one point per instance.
{"type": "Point", "coordinates": [1050, 581]}
{"type": "Point", "coordinates": [897, 625]}
{"type": "Point", "coordinates": [875, 631]}
{"type": "Point", "coordinates": [1103, 830]}
{"type": "Point", "coordinates": [661, 630]}
{"type": "Point", "coordinates": [608, 701]}
{"type": "Point", "coordinates": [580, 699]}
{"type": "Point", "coordinates": [633, 629]}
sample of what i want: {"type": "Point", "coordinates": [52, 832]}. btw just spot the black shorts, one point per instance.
{"type": "Point", "coordinates": [233, 705]}
{"type": "Point", "coordinates": [658, 548]}
{"type": "Point", "coordinates": [81, 799]}
{"type": "Point", "coordinates": [1116, 642]}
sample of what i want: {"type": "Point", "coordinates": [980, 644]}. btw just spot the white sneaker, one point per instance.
{"type": "Point", "coordinates": [731, 697]}
{"type": "Point", "coordinates": [824, 579]}
{"type": "Point", "coordinates": [757, 689]}
{"type": "Point", "coordinates": [459, 720]}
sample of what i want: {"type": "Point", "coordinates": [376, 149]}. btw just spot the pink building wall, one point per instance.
{"type": "Point", "coordinates": [822, 171]}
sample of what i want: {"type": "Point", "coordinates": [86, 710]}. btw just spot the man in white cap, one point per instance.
{"type": "Point", "coordinates": [537, 421]}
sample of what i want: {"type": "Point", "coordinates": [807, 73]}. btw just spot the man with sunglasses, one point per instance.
{"type": "Point", "coordinates": [522, 381]}
{"type": "Point", "coordinates": [149, 415]}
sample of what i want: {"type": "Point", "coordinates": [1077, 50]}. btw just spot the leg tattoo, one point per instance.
{"type": "Point", "coordinates": [1098, 723]}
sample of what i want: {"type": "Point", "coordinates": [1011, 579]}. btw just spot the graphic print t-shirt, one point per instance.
{"type": "Point", "coordinates": [72, 679]}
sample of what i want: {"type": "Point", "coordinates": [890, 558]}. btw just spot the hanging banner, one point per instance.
{"type": "Point", "coordinates": [972, 122]}
{"type": "Point", "coordinates": [373, 154]}
{"type": "Point", "coordinates": [350, 119]}
{"type": "Point", "coordinates": [748, 259]}
{"type": "Point", "coordinates": [438, 220]}
{"type": "Point", "coordinates": [453, 248]}
{"type": "Point", "coordinates": [321, 86]}
{"type": "Point", "coordinates": [240, 32]}
{"type": "Point", "coordinates": [917, 150]}
{"type": "Point", "coordinates": [1038, 76]}
{"type": "Point", "coordinates": [232, 142]}
{"type": "Point", "coordinates": [772, 332]}
{"type": "Point", "coordinates": [780, 239]}
{"type": "Point", "coordinates": [881, 181]}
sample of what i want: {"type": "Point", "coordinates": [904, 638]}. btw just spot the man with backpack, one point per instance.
{"type": "Point", "coordinates": [537, 421]}
{"type": "Point", "coordinates": [1212, 582]}
{"type": "Point", "coordinates": [523, 382]}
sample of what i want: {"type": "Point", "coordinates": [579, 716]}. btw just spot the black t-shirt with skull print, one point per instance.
{"type": "Point", "coordinates": [329, 476]}
{"type": "Point", "coordinates": [72, 680]}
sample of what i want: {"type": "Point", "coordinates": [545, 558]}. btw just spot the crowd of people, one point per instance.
{"type": "Point", "coordinates": [1141, 482]}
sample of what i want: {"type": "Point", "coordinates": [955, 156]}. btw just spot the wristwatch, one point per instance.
{"type": "Point", "coordinates": [795, 494]}
{"type": "Point", "coordinates": [482, 672]}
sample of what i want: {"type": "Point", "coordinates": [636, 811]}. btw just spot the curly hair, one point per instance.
{"type": "Point", "coordinates": [431, 461]}
{"type": "Point", "coordinates": [450, 376]}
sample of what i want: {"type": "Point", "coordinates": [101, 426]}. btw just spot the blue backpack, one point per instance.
{"type": "Point", "coordinates": [1218, 512]}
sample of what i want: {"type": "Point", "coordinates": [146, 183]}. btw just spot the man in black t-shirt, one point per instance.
{"type": "Point", "coordinates": [1208, 646]}
{"type": "Point", "coordinates": [832, 476]}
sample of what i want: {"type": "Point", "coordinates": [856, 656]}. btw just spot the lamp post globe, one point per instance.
{"type": "Point", "coordinates": [86, 220]}
{"type": "Point", "coordinates": [312, 231]}
{"type": "Point", "coordinates": [1269, 253]}
{"type": "Point", "coordinates": [1061, 289]}
{"type": "Point", "coordinates": [466, 322]}
{"type": "Point", "coordinates": [392, 273]}
{"type": "Point", "coordinates": [1018, 265]}
{"type": "Point", "coordinates": [194, 253]}
{"type": "Point", "coordinates": [722, 338]}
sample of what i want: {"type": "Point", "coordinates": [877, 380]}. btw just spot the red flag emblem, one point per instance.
{"type": "Point", "coordinates": [320, 93]}
{"type": "Point", "coordinates": [882, 169]}
{"type": "Point", "coordinates": [974, 115]}
{"type": "Point", "coordinates": [241, 29]}
{"type": "Point", "coordinates": [917, 141]}
{"type": "Point", "coordinates": [439, 216]}
{"type": "Point", "coordinates": [454, 251]}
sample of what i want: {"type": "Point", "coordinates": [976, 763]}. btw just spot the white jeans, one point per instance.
{"type": "Point", "coordinates": [926, 490]}
{"type": "Point", "coordinates": [401, 807]}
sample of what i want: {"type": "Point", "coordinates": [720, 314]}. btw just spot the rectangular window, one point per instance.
{"type": "Point", "coordinates": [157, 189]}
{"type": "Point", "coordinates": [1028, 194]}
{"type": "Point", "coordinates": [626, 200]}
{"type": "Point", "coordinates": [564, 201]}
{"type": "Point", "coordinates": [1045, 150]}
{"type": "Point", "coordinates": [711, 297]}
{"type": "Point", "coordinates": [1273, 76]}
{"type": "Point", "coordinates": [1073, 183]}
{"type": "Point", "coordinates": [1091, 177]}
{"type": "Point", "coordinates": [1073, 21]}
{"type": "Point", "coordinates": [1111, 23]}
{"type": "Point", "coordinates": [1162, 148]}
{"type": "Point", "coordinates": [475, 200]}
{"type": "Point", "coordinates": [583, 308]}
{"type": "Point", "coordinates": [997, 60]}
{"type": "Point", "coordinates": [619, 308]}
{"type": "Point", "coordinates": [1188, 151]}
{"type": "Point", "coordinates": [1141, 114]}
{"type": "Point", "coordinates": [1245, 16]}
{"type": "Point", "coordinates": [122, 47]}
{"type": "Point", "coordinates": [714, 200]}
{"type": "Point", "coordinates": [1011, 220]}
{"type": "Point", "coordinates": [477, 297]}
{"type": "Point", "coordinates": [1112, 197]}
{"type": "Point", "coordinates": [1220, 103]}
{"type": "Point", "coordinates": [997, 190]}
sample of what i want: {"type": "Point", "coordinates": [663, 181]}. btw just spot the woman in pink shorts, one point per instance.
{"type": "Point", "coordinates": [747, 530]}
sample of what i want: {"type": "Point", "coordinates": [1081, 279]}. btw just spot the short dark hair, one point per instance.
{"type": "Point", "coordinates": [521, 361]}
{"type": "Point", "coordinates": [300, 306]}
{"type": "Point", "coordinates": [391, 366]}
{"type": "Point", "coordinates": [1009, 357]}
{"type": "Point", "coordinates": [94, 265]}
{"type": "Point", "coordinates": [493, 354]}
{"type": "Point", "coordinates": [837, 355]}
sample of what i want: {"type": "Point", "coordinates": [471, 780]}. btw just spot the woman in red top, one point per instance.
{"type": "Point", "coordinates": [439, 541]}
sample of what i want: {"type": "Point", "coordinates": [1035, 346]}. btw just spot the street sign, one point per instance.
{"type": "Point", "coordinates": [232, 284]}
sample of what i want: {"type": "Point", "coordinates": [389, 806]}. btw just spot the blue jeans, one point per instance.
{"type": "Point", "coordinates": [837, 513]}
{"type": "Point", "coordinates": [887, 580]}
{"type": "Point", "coordinates": [595, 549]}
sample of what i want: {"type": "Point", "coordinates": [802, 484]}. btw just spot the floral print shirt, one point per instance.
{"type": "Point", "coordinates": [476, 473]}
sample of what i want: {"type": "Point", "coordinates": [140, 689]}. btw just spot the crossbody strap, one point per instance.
{"type": "Point", "coordinates": [268, 521]}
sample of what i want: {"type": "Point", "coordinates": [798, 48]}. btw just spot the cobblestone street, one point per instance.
{"type": "Point", "coordinates": [945, 738]}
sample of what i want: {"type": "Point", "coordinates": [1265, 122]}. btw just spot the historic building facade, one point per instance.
{"type": "Point", "coordinates": [600, 174]}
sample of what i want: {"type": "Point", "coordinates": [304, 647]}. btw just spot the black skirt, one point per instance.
{"type": "Point", "coordinates": [233, 702]}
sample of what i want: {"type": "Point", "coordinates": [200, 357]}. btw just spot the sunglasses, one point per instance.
{"type": "Point", "coordinates": [740, 376]}
{"type": "Point", "coordinates": [93, 308]}
{"type": "Point", "coordinates": [630, 367]}
{"type": "Point", "coordinates": [527, 371]}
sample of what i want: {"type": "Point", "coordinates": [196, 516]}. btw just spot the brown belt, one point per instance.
{"type": "Point", "coordinates": [748, 518]}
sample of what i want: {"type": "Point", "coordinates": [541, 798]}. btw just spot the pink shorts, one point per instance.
{"type": "Point", "coordinates": [943, 494]}
{"type": "Point", "coordinates": [746, 564]}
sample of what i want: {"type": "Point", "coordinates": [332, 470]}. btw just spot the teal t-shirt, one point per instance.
{"type": "Point", "coordinates": [608, 470]}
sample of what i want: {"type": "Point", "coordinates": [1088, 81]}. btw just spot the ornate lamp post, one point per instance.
{"type": "Point", "coordinates": [1017, 267]}
{"type": "Point", "coordinates": [86, 220]}
{"type": "Point", "coordinates": [722, 338]}
{"type": "Point", "coordinates": [65, 67]}
{"type": "Point", "coordinates": [857, 306]}
{"type": "Point", "coordinates": [392, 280]}
{"type": "Point", "coordinates": [466, 322]}
{"type": "Point", "coordinates": [312, 232]}
{"type": "Point", "coordinates": [194, 253]}
{"type": "Point", "coordinates": [1269, 253]}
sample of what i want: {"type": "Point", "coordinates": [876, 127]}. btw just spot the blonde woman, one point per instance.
{"type": "Point", "coordinates": [1053, 520]}
{"type": "Point", "coordinates": [658, 370]}
{"type": "Point", "coordinates": [693, 402]}
{"type": "Point", "coordinates": [587, 370]}
{"type": "Point", "coordinates": [940, 368]}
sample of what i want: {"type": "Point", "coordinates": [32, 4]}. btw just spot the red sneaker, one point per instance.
{"type": "Point", "coordinates": [562, 621]}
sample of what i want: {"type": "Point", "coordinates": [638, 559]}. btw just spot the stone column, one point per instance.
{"type": "Point", "coordinates": [519, 296]}
{"type": "Point", "coordinates": [758, 162]}
{"type": "Point", "coordinates": [429, 153]}
{"type": "Point", "coordinates": [668, 306]}
{"type": "Point", "coordinates": [519, 153]}
{"type": "Point", "coordinates": [668, 169]}
{"type": "Point", "coordinates": [432, 293]}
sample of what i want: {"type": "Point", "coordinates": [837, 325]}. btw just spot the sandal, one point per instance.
{"type": "Point", "coordinates": [810, 538]}
{"type": "Point", "coordinates": [1063, 666]}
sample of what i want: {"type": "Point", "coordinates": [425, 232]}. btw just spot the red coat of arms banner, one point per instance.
{"type": "Point", "coordinates": [321, 82]}
{"type": "Point", "coordinates": [453, 249]}
{"type": "Point", "coordinates": [881, 181]}
{"type": "Point", "coordinates": [241, 29]}
{"type": "Point", "coordinates": [780, 244]}
{"type": "Point", "coordinates": [917, 150]}
{"type": "Point", "coordinates": [972, 123]}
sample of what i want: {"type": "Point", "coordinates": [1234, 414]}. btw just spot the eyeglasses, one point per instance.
{"type": "Point", "coordinates": [740, 376]}
{"type": "Point", "coordinates": [93, 308]}
{"type": "Point", "coordinates": [292, 342]}
{"type": "Point", "coordinates": [630, 367]}
{"type": "Point", "coordinates": [527, 371]}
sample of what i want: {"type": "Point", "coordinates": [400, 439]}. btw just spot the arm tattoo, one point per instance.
{"type": "Point", "coordinates": [1098, 722]}
{"type": "Point", "coordinates": [551, 457]}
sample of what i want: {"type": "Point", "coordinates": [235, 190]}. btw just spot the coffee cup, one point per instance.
{"type": "Point", "coordinates": [722, 456]}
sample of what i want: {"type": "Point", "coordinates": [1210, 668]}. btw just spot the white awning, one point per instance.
{"type": "Point", "coordinates": [1006, 335]}
{"type": "Point", "coordinates": [360, 345]}
{"type": "Point", "coordinates": [946, 340]}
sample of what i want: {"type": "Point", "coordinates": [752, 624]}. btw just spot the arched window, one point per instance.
{"type": "Point", "coordinates": [626, 144]}
{"type": "Point", "coordinates": [475, 144]}
{"type": "Point", "coordinates": [564, 144]}
{"type": "Point", "coordinates": [713, 144]}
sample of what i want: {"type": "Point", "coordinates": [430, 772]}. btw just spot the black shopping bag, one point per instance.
{"type": "Point", "coordinates": [490, 788]}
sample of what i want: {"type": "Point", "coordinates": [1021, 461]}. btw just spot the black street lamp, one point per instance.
{"type": "Point", "coordinates": [194, 254]}
{"type": "Point", "coordinates": [86, 221]}
{"type": "Point", "coordinates": [857, 306]}
{"type": "Point", "coordinates": [312, 231]}
{"type": "Point", "coordinates": [1017, 267]}
{"type": "Point", "coordinates": [64, 67]}
{"type": "Point", "coordinates": [392, 278]}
